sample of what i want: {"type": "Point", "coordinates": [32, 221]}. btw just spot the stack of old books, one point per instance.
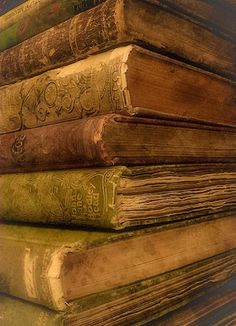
{"type": "Point", "coordinates": [117, 162]}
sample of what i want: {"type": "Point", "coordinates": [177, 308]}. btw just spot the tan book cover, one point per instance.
{"type": "Point", "coordinates": [137, 303]}
{"type": "Point", "coordinates": [56, 267]}
{"type": "Point", "coordinates": [113, 23]}
{"type": "Point", "coordinates": [123, 80]}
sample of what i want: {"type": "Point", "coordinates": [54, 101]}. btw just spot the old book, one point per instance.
{"type": "Point", "coordinates": [135, 303]}
{"type": "Point", "coordinates": [119, 197]}
{"type": "Point", "coordinates": [6, 5]}
{"type": "Point", "coordinates": [115, 140]}
{"type": "Point", "coordinates": [21, 11]}
{"type": "Point", "coordinates": [114, 23]}
{"type": "Point", "coordinates": [35, 16]}
{"type": "Point", "coordinates": [56, 267]}
{"type": "Point", "coordinates": [30, 7]}
{"type": "Point", "coordinates": [217, 307]}
{"type": "Point", "coordinates": [122, 81]}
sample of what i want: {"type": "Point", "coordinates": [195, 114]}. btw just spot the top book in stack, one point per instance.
{"type": "Point", "coordinates": [115, 23]}
{"type": "Point", "coordinates": [36, 16]}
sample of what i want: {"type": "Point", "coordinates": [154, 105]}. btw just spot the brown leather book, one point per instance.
{"type": "Point", "coordinates": [55, 267]}
{"type": "Point", "coordinates": [115, 140]}
{"type": "Point", "coordinates": [113, 23]}
{"type": "Point", "coordinates": [134, 304]}
{"type": "Point", "coordinates": [125, 79]}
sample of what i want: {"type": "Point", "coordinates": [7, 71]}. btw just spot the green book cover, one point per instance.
{"type": "Point", "coordinates": [35, 18]}
{"type": "Point", "coordinates": [118, 197]}
{"type": "Point", "coordinates": [58, 268]}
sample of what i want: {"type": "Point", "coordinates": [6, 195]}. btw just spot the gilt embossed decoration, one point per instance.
{"type": "Point", "coordinates": [59, 95]}
{"type": "Point", "coordinates": [17, 149]}
{"type": "Point", "coordinates": [67, 196]}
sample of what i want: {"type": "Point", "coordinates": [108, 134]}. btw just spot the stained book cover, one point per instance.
{"type": "Point", "coordinates": [115, 140]}
{"type": "Point", "coordinates": [113, 23]}
{"type": "Point", "coordinates": [142, 302]}
{"type": "Point", "coordinates": [119, 197]}
{"type": "Point", "coordinates": [35, 16]}
{"type": "Point", "coordinates": [129, 80]}
{"type": "Point", "coordinates": [56, 268]}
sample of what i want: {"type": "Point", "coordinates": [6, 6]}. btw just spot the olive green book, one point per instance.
{"type": "Point", "coordinates": [118, 197]}
{"type": "Point", "coordinates": [57, 267]}
{"type": "Point", "coordinates": [136, 304]}
{"type": "Point", "coordinates": [35, 16]}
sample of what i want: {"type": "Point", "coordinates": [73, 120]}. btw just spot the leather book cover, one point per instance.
{"type": "Point", "coordinates": [119, 197]}
{"type": "Point", "coordinates": [114, 23]}
{"type": "Point", "coordinates": [35, 16]}
{"type": "Point", "coordinates": [56, 268]}
{"type": "Point", "coordinates": [143, 301]}
{"type": "Point", "coordinates": [123, 80]}
{"type": "Point", "coordinates": [115, 140]}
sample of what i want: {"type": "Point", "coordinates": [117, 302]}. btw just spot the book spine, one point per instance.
{"type": "Point", "coordinates": [75, 38]}
{"type": "Point", "coordinates": [86, 88]}
{"type": "Point", "coordinates": [85, 197]}
{"type": "Point", "coordinates": [66, 145]}
{"type": "Point", "coordinates": [107, 140]}
{"type": "Point", "coordinates": [38, 268]}
{"type": "Point", "coordinates": [169, 285]}
{"type": "Point", "coordinates": [111, 23]}
{"type": "Point", "coordinates": [6, 5]}
{"type": "Point", "coordinates": [30, 276]}
{"type": "Point", "coordinates": [40, 18]}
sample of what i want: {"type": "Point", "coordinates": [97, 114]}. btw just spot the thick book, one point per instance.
{"type": "Point", "coordinates": [115, 140]}
{"type": "Point", "coordinates": [119, 197]}
{"type": "Point", "coordinates": [56, 267]}
{"type": "Point", "coordinates": [113, 23]}
{"type": "Point", "coordinates": [123, 80]}
{"type": "Point", "coordinates": [136, 303]}
{"type": "Point", "coordinates": [7, 5]}
{"type": "Point", "coordinates": [35, 16]}
{"type": "Point", "coordinates": [215, 307]}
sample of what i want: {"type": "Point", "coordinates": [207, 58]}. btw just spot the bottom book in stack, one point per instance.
{"type": "Point", "coordinates": [80, 277]}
